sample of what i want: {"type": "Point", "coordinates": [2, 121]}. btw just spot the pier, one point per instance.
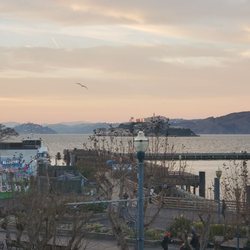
{"type": "Point", "coordinates": [197, 156]}
{"type": "Point", "coordinates": [84, 154]}
{"type": "Point", "coordinates": [190, 182]}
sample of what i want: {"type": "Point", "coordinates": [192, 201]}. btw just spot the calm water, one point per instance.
{"type": "Point", "coordinates": [205, 143]}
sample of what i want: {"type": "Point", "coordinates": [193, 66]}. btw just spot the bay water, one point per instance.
{"type": "Point", "coordinates": [201, 144]}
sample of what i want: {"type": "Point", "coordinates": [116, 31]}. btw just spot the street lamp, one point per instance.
{"type": "Point", "coordinates": [217, 185]}
{"type": "Point", "coordinates": [141, 145]}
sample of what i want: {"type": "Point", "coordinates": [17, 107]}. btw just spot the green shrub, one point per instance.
{"type": "Point", "coordinates": [96, 208]}
{"type": "Point", "coordinates": [243, 231]}
{"type": "Point", "coordinates": [154, 234]}
{"type": "Point", "coordinates": [98, 228]}
{"type": "Point", "coordinates": [127, 230]}
{"type": "Point", "coordinates": [95, 227]}
{"type": "Point", "coordinates": [179, 226]}
{"type": "Point", "coordinates": [228, 232]}
{"type": "Point", "coordinates": [247, 245]}
{"type": "Point", "coordinates": [216, 229]}
{"type": "Point", "coordinates": [106, 230]}
{"type": "Point", "coordinates": [198, 226]}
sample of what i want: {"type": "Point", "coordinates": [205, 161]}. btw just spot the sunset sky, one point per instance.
{"type": "Point", "coordinates": [180, 59]}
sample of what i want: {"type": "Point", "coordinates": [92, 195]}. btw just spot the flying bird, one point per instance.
{"type": "Point", "coordinates": [80, 84]}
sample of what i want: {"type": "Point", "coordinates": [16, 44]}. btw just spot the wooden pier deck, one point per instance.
{"type": "Point", "coordinates": [79, 153]}
{"type": "Point", "coordinates": [197, 156]}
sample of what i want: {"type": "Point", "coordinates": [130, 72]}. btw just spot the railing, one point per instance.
{"type": "Point", "coordinates": [197, 156]}
{"type": "Point", "coordinates": [91, 154]}
{"type": "Point", "coordinates": [201, 205]}
{"type": "Point", "coordinates": [238, 207]}
{"type": "Point", "coordinates": [176, 177]}
{"type": "Point", "coordinates": [186, 204]}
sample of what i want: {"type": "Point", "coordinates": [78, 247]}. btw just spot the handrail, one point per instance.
{"type": "Point", "coordinates": [197, 204]}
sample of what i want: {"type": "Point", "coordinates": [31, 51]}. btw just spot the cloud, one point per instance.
{"type": "Point", "coordinates": [131, 22]}
{"type": "Point", "coordinates": [126, 71]}
{"type": "Point", "coordinates": [116, 60]}
{"type": "Point", "coordinates": [125, 12]}
{"type": "Point", "coordinates": [197, 62]}
{"type": "Point", "coordinates": [157, 52]}
{"type": "Point", "coordinates": [245, 53]}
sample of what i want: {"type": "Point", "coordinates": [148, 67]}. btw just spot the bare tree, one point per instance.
{"type": "Point", "coordinates": [6, 132]}
{"type": "Point", "coordinates": [235, 180]}
{"type": "Point", "coordinates": [121, 176]}
{"type": "Point", "coordinates": [39, 219]}
{"type": "Point", "coordinates": [204, 237]}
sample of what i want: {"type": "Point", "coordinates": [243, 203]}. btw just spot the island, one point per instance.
{"type": "Point", "coordinates": [152, 126]}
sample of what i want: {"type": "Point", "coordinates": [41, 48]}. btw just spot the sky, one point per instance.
{"type": "Point", "coordinates": [179, 59]}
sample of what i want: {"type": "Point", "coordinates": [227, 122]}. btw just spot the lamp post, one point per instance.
{"type": "Point", "coordinates": [218, 175]}
{"type": "Point", "coordinates": [141, 145]}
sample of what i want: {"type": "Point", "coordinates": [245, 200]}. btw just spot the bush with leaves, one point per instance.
{"type": "Point", "coordinates": [96, 208]}
{"type": "Point", "coordinates": [180, 226]}
{"type": "Point", "coordinates": [154, 234]}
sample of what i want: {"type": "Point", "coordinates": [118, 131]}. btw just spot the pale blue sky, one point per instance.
{"type": "Point", "coordinates": [176, 58]}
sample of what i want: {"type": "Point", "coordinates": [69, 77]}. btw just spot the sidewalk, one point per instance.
{"type": "Point", "coordinates": [95, 244]}
{"type": "Point", "coordinates": [112, 245]}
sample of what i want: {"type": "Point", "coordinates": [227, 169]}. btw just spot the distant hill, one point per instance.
{"type": "Point", "coordinates": [84, 128]}
{"type": "Point", "coordinates": [10, 124]}
{"type": "Point", "coordinates": [32, 128]}
{"type": "Point", "coordinates": [234, 123]}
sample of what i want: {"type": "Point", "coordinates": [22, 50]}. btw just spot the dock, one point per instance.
{"type": "Point", "coordinates": [197, 156]}
{"type": "Point", "coordinates": [84, 154]}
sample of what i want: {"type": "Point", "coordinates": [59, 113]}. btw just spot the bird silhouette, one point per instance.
{"type": "Point", "coordinates": [82, 85]}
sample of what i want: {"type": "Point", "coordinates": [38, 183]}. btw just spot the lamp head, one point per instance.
{"type": "Point", "coordinates": [218, 173]}
{"type": "Point", "coordinates": [141, 142]}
